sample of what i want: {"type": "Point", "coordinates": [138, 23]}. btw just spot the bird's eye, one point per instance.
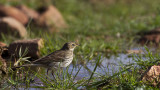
{"type": "Point", "coordinates": [73, 44]}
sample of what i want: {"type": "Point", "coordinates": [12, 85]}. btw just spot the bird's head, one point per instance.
{"type": "Point", "coordinates": [69, 46]}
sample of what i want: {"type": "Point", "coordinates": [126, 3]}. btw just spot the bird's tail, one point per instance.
{"type": "Point", "coordinates": [27, 65]}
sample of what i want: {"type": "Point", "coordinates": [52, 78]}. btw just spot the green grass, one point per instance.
{"type": "Point", "coordinates": [129, 76]}
{"type": "Point", "coordinates": [96, 27]}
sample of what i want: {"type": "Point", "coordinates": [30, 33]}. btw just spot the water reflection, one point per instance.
{"type": "Point", "coordinates": [107, 66]}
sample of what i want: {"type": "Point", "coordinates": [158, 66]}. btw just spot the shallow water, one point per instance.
{"type": "Point", "coordinates": [107, 66]}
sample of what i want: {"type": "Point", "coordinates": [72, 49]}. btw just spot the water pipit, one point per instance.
{"type": "Point", "coordinates": [59, 58]}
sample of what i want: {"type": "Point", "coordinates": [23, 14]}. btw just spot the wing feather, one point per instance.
{"type": "Point", "coordinates": [57, 56]}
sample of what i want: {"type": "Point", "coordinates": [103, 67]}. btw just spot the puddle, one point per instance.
{"type": "Point", "coordinates": [108, 66]}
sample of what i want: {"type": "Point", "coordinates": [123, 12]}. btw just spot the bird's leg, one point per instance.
{"type": "Point", "coordinates": [60, 73]}
{"type": "Point", "coordinates": [47, 73]}
{"type": "Point", "coordinates": [54, 76]}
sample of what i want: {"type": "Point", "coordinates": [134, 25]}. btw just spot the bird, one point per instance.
{"type": "Point", "coordinates": [59, 58]}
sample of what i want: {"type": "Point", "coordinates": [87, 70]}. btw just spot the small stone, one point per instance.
{"type": "Point", "coordinates": [29, 12]}
{"type": "Point", "coordinates": [151, 76]}
{"type": "Point", "coordinates": [3, 64]}
{"type": "Point", "coordinates": [151, 36]}
{"type": "Point", "coordinates": [9, 11]}
{"type": "Point", "coordinates": [4, 54]}
{"type": "Point", "coordinates": [134, 51]}
{"type": "Point", "coordinates": [50, 17]}
{"type": "Point", "coordinates": [10, 26]}
{"type": "Point", "coordinates": [33, 47]}
{"type": "Point", "coordinates": [3, 44]}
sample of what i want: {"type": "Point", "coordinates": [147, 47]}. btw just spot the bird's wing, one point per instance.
{"type": "Point", "coordinates": [57, 56]}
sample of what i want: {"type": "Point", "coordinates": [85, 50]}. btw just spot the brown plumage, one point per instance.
{"type": "Point", "coordinates": [58, 58]}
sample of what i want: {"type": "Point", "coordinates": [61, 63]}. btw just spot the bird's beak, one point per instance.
{"type": "Point", "coordinates": [77, 44]}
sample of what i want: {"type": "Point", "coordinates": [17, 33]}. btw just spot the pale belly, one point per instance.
{"type": "Point", "coordinates": [66, 63]}
{"type": "Point", "coordinates": [61, 64]}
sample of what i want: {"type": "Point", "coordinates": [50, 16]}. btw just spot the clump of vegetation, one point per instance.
{"type": "Point", "coordinates": [102, 30]}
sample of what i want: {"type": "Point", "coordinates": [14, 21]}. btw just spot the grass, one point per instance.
{"type": "Point", "coordinates": [129, 76]}
{"type": "Point", "coordinates": [102, 30]}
